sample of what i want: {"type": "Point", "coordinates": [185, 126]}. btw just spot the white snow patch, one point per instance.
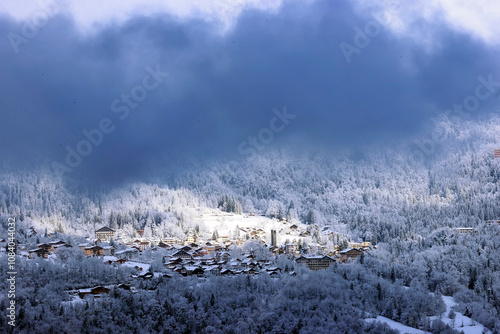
{"type": "Point", "coordinates": [226, 225]}
{"type": "Point", "coordinates": [144, 266]}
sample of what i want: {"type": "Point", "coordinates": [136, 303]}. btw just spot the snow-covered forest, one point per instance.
{"type": "Point", "coordinates": [409, 210]}
{"type": "Point", "coordinates": [331, 301]}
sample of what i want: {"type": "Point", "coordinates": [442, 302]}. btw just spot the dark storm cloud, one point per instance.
{"type": "Point", "coordinates": [220, 90]}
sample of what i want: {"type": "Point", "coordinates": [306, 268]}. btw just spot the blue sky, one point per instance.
{"type": "Point", "coordinates": [162, 80]}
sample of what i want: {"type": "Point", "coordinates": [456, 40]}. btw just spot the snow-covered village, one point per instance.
{"type": "Point", "coordinates": [228, 246]}
{"type": "Point", "coordinates": [249, 167]}
{"type": "Point", "coordinates": [249, 251]}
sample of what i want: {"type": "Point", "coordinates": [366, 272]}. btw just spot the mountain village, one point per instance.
{"type": "Point", "coordinates": [252, 251]}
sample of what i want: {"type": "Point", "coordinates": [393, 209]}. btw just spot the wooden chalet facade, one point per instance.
{"type": "Point", "coordinates": [42, 250]}
{"type": "Point", "coordinates": [104, 234]}
{"type": "Point", "coordinates": [54, 244]}
{"type": "Point", "coordinates": [163, 245]}
{"type": "Point", "coordinates": [183, 255]}
{"type": "Point", "coordinates": [350, 254]}
{"type": "Point", "coordinates": [93, 251]}
{"type": "Point", "coordinates": [316, 262]}
{"type": "Point", "coordinates": [96, 292]}
{"type": "Point", "coordinates": [43, 253]}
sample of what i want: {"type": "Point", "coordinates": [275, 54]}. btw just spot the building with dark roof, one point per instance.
{"type": "Point", "coordinates": [104, 234]}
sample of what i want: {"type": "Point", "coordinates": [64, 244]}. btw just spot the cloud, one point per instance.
{"type": "Point", "coordinates": [478, 19]}
{"type": "Point", "coordinates": [222, 13]}
{"type": "Point", "coordinates": [221, 89]}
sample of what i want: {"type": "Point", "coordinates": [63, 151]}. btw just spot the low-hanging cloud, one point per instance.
{"type": "Point", "coordinates": [221, 88]}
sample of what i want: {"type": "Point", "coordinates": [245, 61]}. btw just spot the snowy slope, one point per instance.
{"type": "Point", "coordinates": [229, 224]}
{"type": "Point", "coordinates": [461, 323]}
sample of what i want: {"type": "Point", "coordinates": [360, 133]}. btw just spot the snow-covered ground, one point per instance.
{"type": "Point", "coordinates": [461, 323]}
{"type": "Point", "coordinates": [226, 224]}
{"type": "Point", "coordinates": [144, 266]}
{"type": "Point", "coordinates": [403, 329]}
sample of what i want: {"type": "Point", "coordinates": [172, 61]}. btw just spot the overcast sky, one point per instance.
{"type": "Point", "coordinates": [348, 72]}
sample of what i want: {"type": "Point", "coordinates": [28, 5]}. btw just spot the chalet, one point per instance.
{"type": "Point", "coordinates": [124, 286]}
{"type": "Point", "coordinates": [214, 270]}
{"type": "Point", "coordinates": [191, 270]}
{"type": "Point", "coordinates": [223, 239]}
{"type": "Point", "coordinates": [186, 248]}
{"type": "Point", "coordinates": [170, 241]}
{"type": "Point", "coordinates": [190, 240]}
{"type": "Point", "coordinates": [360, 245]}
{"type": "Point", "coordinates": [163, 245]}
{"type": "Point", "coordinates": [224, 256]}
{"type": "Point", "coordinates": [143, 245]}
{"type": "Point", "coordinates": [202, 251]}
{"type": "Point", "coordinates": [97, 291]}
{"type": "Point", "coordinates": [128, 253]}
{"type": "Point", "coordinates": [45, 247]}
{"type": "Point", "coordinates": [83, 246]}
{"type": "Point", "coordinates": [147, 275]}
{"type": "Point", "coordinates": [104, 234]}
{"type": "Point", "coordinates": [93, 251]}
{"type": "Point", "coordinates": [120, 261]}
{"type": "Point", "coordinates": [64, 245]}
{"type": "Point", "coordinates": [349, 254]}
{"type": "Point", "coordinates": [108, 250]}
{"type": "Point", "coordinates": [140, 232]}
{"type": "Point", "coordinates": [465, 230]}
{"type": "Point", "coordinates": [40, 252]}
{"type": "Point", "coordinates": [135, 243]}
{"type": "Point", "coordinates": [173, 261]}
{"type": "Point", "coordinates": [316, 262]}
{"type": "Point", "coordinates": [294, 227]}
{"type": "Point", "coordinates": [100, 290]}
{"type": "Point", "coordinates": [250, 271]}
{"type": "Point", "coordinates": [54, 244]}
{"type": "Point", "coordinates": [226, 272]}
{"type": "Point", "coordinates": [183, 255]}
{"type": "Point", "coordinates": [493, 222]}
